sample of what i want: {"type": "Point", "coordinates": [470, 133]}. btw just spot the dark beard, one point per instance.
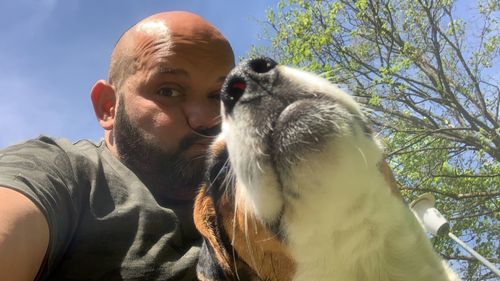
{"type": "Point", "coordinates": [170, 176]}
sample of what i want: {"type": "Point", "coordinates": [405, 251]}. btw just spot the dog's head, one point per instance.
{"type": "Point", "coordinates": [284, 132]}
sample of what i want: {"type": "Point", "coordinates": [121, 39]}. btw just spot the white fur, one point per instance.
{"type": "Point", "coordinates": [312, 83]}
{"type": "Point", "coordinates": [345, 224]}
{"type": "Point", "coordinates": [258, 192]}
{"type": "Point", "coordinates": [348, 226]}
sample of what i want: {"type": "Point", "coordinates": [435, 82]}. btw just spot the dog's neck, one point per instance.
{"type": "Point", "coordinates": [366, 232]}
{"type": "Point", "coordinates": [341, 219]}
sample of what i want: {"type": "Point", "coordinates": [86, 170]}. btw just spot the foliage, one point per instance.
{"type": "Point", "coordinates": [430, 80]}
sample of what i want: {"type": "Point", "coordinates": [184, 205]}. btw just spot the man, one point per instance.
{"type": "Point", "coordinates": [121, 209]}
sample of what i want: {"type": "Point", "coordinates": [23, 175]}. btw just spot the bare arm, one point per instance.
{"type": "Point", "coordinates": [24, 236]}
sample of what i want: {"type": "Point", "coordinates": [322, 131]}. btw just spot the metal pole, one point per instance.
{"type": "Point", "coordinates": [475, 254]}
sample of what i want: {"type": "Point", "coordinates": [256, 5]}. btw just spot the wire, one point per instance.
{"type": "Point", "coordinates": [475, 254]}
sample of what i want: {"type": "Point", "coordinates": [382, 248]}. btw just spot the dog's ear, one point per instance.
{"type": "Point", "coordinates": [216, 260]}
{"type": "Point", "coordinates": [213, 263]}
{"type": "Point", "coordinates": [389, 178]}
{"type": "Point", "coordinates": [208, 269]}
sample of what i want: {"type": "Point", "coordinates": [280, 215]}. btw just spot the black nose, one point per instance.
{"type": "Point", "coordinates": [261, 65]}
{"type": "Point", "coordinates": [247, 72]}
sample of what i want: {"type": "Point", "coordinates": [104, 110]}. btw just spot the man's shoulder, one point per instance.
{"type": "Point", "coordinates": [45, 142]}
{"type": "Point", "coordinates": [49, 147]}
{"type": "Point", "coordinates": [66, 145]}
{"type": "Point", "coordinates": [51, 156]}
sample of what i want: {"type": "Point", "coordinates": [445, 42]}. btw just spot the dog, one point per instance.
{"type": "Point", "coordinates": [297, 188]}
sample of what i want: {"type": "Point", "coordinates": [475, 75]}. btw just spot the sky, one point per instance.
{"type": "Point", "coordinates": [52, 52]}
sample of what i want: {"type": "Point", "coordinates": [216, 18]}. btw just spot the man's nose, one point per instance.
{"type": "Point", "coordinates": [203, 117]}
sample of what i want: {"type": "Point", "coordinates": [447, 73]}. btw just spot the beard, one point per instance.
{"type": "Point", "coordinates": [170, 175]}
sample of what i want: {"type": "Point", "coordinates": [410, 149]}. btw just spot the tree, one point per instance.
{"type": "Point", "coordinates": [430, 82]}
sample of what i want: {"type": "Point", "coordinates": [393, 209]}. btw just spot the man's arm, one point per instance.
{"type": "Point", "coordinates": [24, 236]}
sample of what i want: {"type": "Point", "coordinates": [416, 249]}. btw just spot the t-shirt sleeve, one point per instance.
{"type": "Point", "coordinates": [42, 171]}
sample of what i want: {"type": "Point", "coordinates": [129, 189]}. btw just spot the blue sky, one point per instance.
{"type": "Point", "coordinates": [52, 52]}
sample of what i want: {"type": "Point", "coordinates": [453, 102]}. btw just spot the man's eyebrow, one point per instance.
{"type": "Point", "coordinates": [161, 70]}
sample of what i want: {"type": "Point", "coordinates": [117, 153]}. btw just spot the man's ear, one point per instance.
{"type": "Point", "coordinates": [104, 101]}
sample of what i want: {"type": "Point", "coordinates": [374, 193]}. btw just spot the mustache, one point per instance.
{"type": "Point", "coordinates": [197, 136]}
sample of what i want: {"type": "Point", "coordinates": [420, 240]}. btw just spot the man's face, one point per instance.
{"type": "Point", "coordinates": [168, 113]}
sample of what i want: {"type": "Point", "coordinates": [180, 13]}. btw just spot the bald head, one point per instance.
{"type": "Point", "coordinates": [168, 30]}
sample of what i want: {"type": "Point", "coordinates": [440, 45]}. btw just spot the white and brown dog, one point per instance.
{"type": "Point", "coordinates": [297, 189]}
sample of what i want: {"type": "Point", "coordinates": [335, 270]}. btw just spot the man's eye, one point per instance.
{"type": "Point", "coordinates": [169, 92]}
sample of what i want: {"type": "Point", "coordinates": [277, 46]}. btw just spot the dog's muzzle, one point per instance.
{"type": "Point", "coordinates": [241, 80]}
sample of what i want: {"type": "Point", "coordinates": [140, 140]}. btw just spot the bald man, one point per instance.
{"type": "Point", "coordinates": [121, 209]}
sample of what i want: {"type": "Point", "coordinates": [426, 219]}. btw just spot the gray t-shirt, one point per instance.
{"type": "Point", "coordinates": [104, 223]}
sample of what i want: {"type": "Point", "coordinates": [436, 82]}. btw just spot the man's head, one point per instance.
{"type": "Point", "coordinates": [160, 107]}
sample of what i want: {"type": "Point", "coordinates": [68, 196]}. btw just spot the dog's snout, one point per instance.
{"type": "Point", "coordinates": [248, 79]}
{"type": "Point", "coordinates": [261, 65]}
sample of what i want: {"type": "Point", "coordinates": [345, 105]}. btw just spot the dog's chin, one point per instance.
{"type": "Point", "coordinates": [257, 186]}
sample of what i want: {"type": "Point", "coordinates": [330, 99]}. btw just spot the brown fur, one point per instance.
{"type": "Point", "coordinates": [389, 178]}
{"type": "Point", "coordinates": [256, 245]}
{"type": "Point", "coordinates": [205, 221]}
{"type": "Point", "coordinates": [258, 250]}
